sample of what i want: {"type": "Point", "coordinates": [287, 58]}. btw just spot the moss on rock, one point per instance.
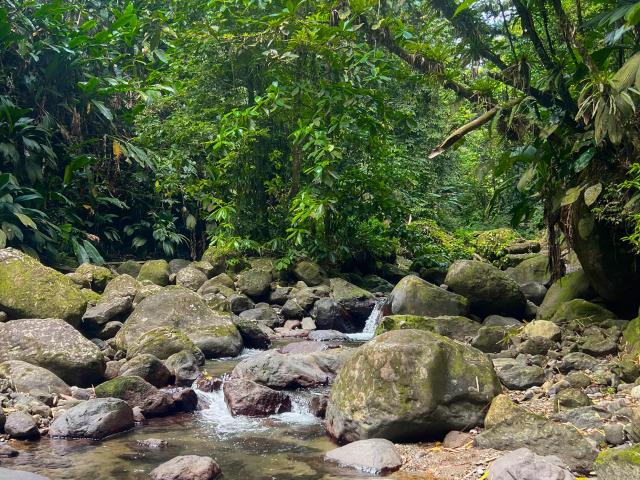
{"type": "Point", "coordinates": [571, 286]}
{"type": "Point", "coordinates": [155, 271]}
{"type": "Point", "coordinates": [456, 327]}
{"type": "Point", "coordinates": [28, 289]}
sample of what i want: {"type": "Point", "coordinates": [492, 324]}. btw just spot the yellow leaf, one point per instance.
{"type": "Point", "coordinates": [117, 149]}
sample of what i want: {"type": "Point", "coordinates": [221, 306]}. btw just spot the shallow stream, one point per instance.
{"type": "Point", "coordinates": [285, 446]}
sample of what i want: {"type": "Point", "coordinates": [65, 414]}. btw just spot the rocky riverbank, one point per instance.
{"type": "Point", "coordinates": [488, 362]}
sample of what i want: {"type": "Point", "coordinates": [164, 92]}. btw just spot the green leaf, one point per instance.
{"type": "Point", "coordinates": [571, 196]}
{"type": "Point", "coordinates": [632, 17]}
{"type": "Point", "coordinates": [103, 109]}
{"type": "Point", "coordinates": [583, 160]}
{"type": "Point", "coordinates": [92, 252]}
{"type": "Point", "coordinates": [592, 193]}
{"type": "Point", "coordinates": [26, 220]}
{"type": "Point", "coordinates": [463, 6]}
{"type": "Point", "coordinates": [526, 178]}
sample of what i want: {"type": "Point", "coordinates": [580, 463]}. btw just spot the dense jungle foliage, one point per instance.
{"type": "Point", "coordinates": [343, 130]}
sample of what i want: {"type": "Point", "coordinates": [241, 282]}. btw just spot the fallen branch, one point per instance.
{"type": "Point", "coordinates": [474, 124]}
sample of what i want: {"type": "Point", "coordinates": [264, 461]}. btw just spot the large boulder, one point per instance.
{"type": "Point", "coordinates": [488, 288]}
{"type": "Point", "coordinates": [21, 426]}
{"type": "Point", "coordinates": [357, 302]}
{"type": "Point", "coordinates": [310, 273]}
{"type": "Point", "coordinates": [38, 382]}
{"type": "Point", "coordinates": [162, 342]}
{"type": "Point", "coordinates": [176, 308]}
{"type": "Point", "coordinates": [156, 272]}
{"type": "Point", "coordinates": [245, 397]}
{"type": "Point", "coordinates": [410, 384]}
{"type": "Point", "coordinates": [458, 328]}
{"type": "Point", "coordinates": [115, 303]}
{"type": "Point", "coordinates": [28, 289]}
{"type": "Point", "coordinates": [96, 419]}
{"type": "Point", "coordinates": [278, 370]}
{"type": "Point", "coordinates": [187, 467]}
{"type": "Point", "coordinates": [55, 345]}
{"type": "Point", "coordinates": [414, 296]}
{"type": "Point", "coordinates": [328, 314]}
{"type": "Point", "coordinates": [531, 270]}
{"type": "Point", "coordinates": [571, 286]}
{"type": "Point", "coordinates": [255, 284]}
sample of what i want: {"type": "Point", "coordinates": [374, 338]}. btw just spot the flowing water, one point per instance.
{"type": "Point", "coordinates": [285, 446]}
{"type": "Point", "coordinates": [369, 330]}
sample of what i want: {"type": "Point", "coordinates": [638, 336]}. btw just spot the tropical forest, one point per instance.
{"type": "Point", "coordinates": [319, 239]}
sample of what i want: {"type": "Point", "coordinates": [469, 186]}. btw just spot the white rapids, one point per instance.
{"type": "Point", "coordinates": [369, 330]}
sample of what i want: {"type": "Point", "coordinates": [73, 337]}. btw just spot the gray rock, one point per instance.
{"type": "Point", "coordinates": [491, 339]}
{"type": "Point", "coordinates": [517, 376]}
{"type": "Point", "coordinates": [277, 370]}
{"type": "Point", "coordinates": [500, 321]}
{"type": "Point", "coordinates": [280, 295]}
{"type": "Point", "coordinates": [245, 397]}
{"type": "Point", "coordinates": [55, 345]}
{"type": "Point", "coordinates": [184, 366]}
{"type": "Point", "coordinates": [328, 314]}
{"type": "Point", "coordinates": [38, 382]}
{"type": "Point", "coordinates": [148, 367]}
{"type": "Point", "coordinates": [523, 464]}
{"type": "Point", "coordinates": [327, 336]}
{"type": "Point", "coordinates": [578, 361]}
{"type": "Point", "coordinates": [137, 393]}
{"type": "Point", "coordinates": [265, 315]}
{"type": "Point", "coordinates": [21, 426]}
{"type": "Point", "coordinates": [614, 433]}
{"type": "Point", "coordinates": [254, 334]}
{"type": "Point", "coordinates": [535, 346]}
{"type": "Point", "coordinates": [255, 284]}
{"type": "Point", "coordinates": [187, 467]}
{"type": "Point", "coordinates": [291, 309]}
{"type": "Point", "coordinates": [375, 455]}
{"type": "Point", "coordinates": [542, 436]}
{"type": "Point", "coordinates": [240, 303]}
{"type": "Point", "coordinates": [7, 474]}
{"type": "Point", "coordinates": [191, 278]}
{"type": "Point", "coordinates": [357, 302]}
{"type": "Point", "coordinates": [586, 417]}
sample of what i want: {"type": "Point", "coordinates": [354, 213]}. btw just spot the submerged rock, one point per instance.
{"type": "Point", "coordinates": [212, 332]}
{"type": "Point", "coordinates": [375, 455]}
{"type": "Point", "coordinates": [187, 467]}
{"type": "Point", "coordinates": [96, 419]}
{"type": "Point", "coordinates": [410, 384]}
{"type": "Point", "coordinates": [55, 345]}
{"type": "Point", "coordinates": [28, 289]}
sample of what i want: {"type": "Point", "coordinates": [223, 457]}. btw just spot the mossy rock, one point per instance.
{"type": "Point", "coordinates": [409, 385]}
{"type": "Point", "coordinates": [28, 289]}
{"type": "Point", "coordinates": [163, 342]}
{"type": "Point", "coordinates": [631, 337]}
{"type": "Point", "coordinates": [123, 387]}
{"type": "Point", "coordinates": [130, 267]}
{"type": "Point", "coordinates": [414, 296]}
{"type": "Point", "coordinates": [619, 463]}
{"type": "Point", "coordinates": [90, 296]}
{"type": "Point", "coordinates": [571, 286]}
{"type": "Point", "coordinates": [583, 312]}
{"type": "Point", "coordinates": [310, 273]}
{"type": "Point", "coordinates": [456, 327]}
{"type": "Point", "coordinates": [502, 408]}
{"type": "Point", "coordinates": [492, 244]}
{"type": "Point", "coordinates": [97, 276]}
{"type": "Point", "coordinates": [219, 258]}
{"type": "Point", "coordinates": [183, 310]}
{"type": "Point", "coordinates": [534, 269]}
{"type": "Point", "coordinates": [36, 381]}
{"type": "Point", "coordinates": [155, 271]}
{"type": "Point", "coordinates": [255, 284]}
{"type": "Point", "coordinates": [488, 289]}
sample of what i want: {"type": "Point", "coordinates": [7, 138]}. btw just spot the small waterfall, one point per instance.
{"type": "Point", "coordinates": [369, 330]}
